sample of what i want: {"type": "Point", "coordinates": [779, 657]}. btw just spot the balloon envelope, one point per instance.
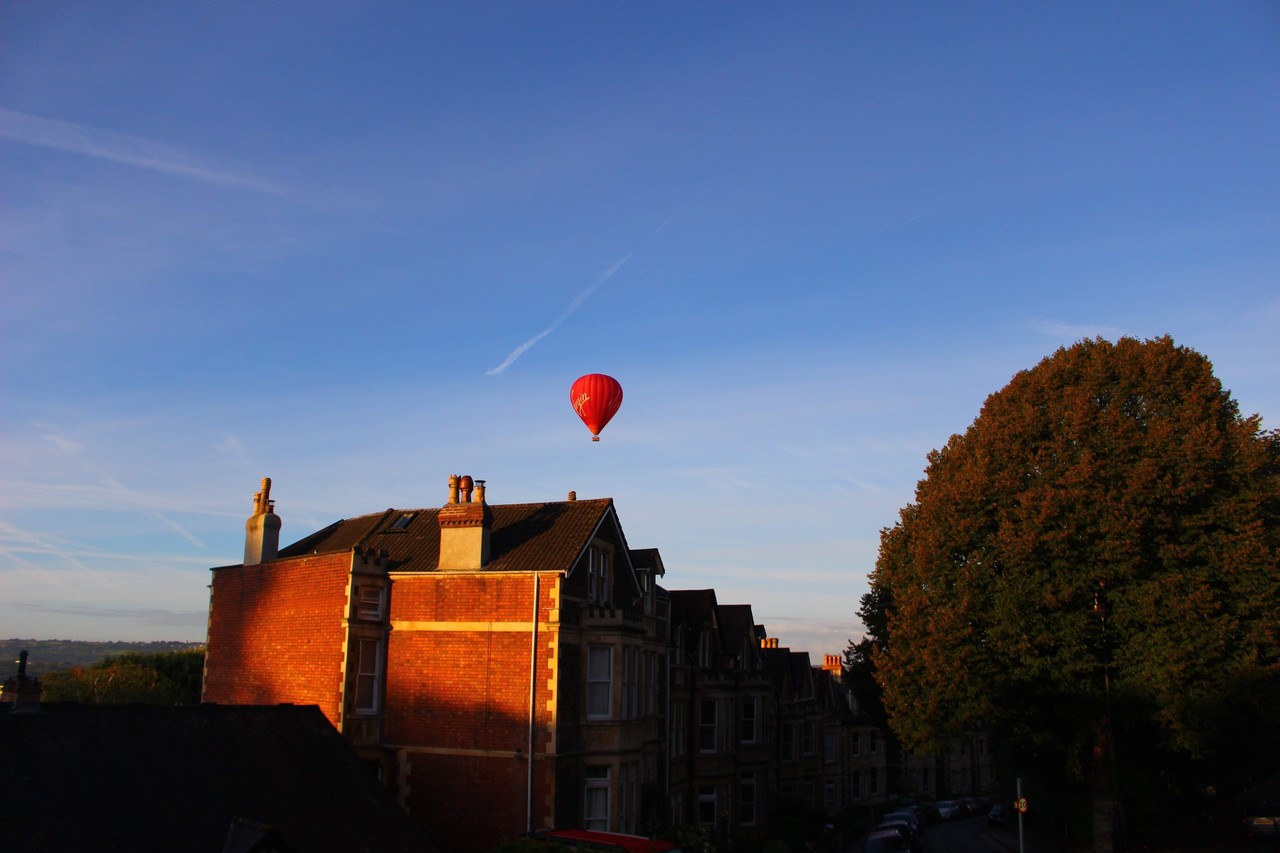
{"type": "Point", "coordinates": [596, 398]}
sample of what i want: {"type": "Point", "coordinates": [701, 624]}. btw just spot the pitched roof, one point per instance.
{"type": "Point", "coordinates": [801, 673]}
{"type": "Point", "coordinates": [835, 695]}
{"type": "Point", "coordinates": [736, 623]}
{"type": "Point", "coordinates": [693, 606]}
{"type": "Point", "coordinates": [778, 662]}
{"type": "Point", "coordinates": [148, 777]}
{"type": "Point", "coordinates": [648, 558]}
{"type": "Point", "coordinates": [547, 536]}
{"type": "Point", "coordinates": [792, 674]}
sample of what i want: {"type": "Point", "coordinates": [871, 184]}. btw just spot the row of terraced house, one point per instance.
{"type": "Point", "coordinates": [510, 667]}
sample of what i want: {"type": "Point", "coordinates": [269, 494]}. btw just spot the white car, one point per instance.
{"type": "Point", "coordinates": [948, 810]}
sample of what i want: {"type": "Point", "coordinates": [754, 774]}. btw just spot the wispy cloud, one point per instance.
{"type": "Point", "coordinates": [73, 492]}
{"type": "Point", "coordinates": [136, 151]}
{"type": "Point", "coordinates": [142, 616]}
{"type": "Point", "coordinates": [568, 312]}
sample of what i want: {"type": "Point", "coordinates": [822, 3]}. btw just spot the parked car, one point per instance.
{"type": "Point", "coordinates": [949, 810]}
{"type": "Point", "coordinates": [908, 834]}
{"type": "Point", "coordinates": [996, 815]}
{"type": "Point", "coordinates": [886, 841]}
{"type": "Point", "coordinates": [926, 811]}
{"type": "Point", "coordinates": [906, 816]}
{"type": "Point", "coordinates": [1262, 819]}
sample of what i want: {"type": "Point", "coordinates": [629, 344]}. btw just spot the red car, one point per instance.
{"type": "Point", "coordinates": [612, 842]}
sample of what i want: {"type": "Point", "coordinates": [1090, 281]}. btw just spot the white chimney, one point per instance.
{"type": "Point", "coordinates": [262, 530]}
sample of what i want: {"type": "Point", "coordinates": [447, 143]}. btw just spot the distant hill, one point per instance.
{"type": "Point", "coordinates": [50, 655]}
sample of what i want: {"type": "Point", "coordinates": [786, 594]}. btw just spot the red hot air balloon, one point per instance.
{"type": "Point", "coordinates": [596, 398]}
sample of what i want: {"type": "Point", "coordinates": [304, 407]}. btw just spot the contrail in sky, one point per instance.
{"type": "Point", "coordinates": [122, 148]}
{"type": "Point", "coordinates": [568, 312]}
{"type": "Point", "coordinates": [575, 304]}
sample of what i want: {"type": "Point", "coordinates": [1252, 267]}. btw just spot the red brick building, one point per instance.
{"type": "Point", "coordinates": [501, 666]}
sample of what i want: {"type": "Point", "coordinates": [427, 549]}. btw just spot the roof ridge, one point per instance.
{"type": "Point", "coordinates": [491, 506]}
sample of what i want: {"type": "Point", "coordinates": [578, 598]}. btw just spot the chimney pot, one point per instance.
{"type": "Point", "coordinates": [262, 530]}
{"type": "Point", "coordinates": [573, 496]}
{"type": "Point", "coordinates": [22, 691]}
{"type": "Point", "coordinates": [465, 526]}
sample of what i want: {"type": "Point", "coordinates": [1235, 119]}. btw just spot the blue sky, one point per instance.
{"type": "Point", "coordinates": [357, 247]}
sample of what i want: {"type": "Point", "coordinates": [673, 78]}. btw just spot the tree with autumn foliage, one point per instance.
{"type": "Point", "coordinates": [1102, 544]}
{"type": "Point", "coordinates": [164, 678]}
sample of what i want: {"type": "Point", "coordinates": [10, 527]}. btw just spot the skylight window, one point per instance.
{"type": "Point", "coordinates": [402, 522]}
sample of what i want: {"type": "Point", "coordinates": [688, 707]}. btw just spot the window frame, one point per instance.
{"type": "Point", "coordinates": [370, 603]}
{"type": "Point", "coordinates": [679, 728]}
{"type": "Point", "coordinates": [599, 684]}
{"type": "Point", "coordinates": [651, 682]}
{"type": "Point", "coordinates": [366, 676]}
{"type": "Point", "coordinates": [598, 575]}
{"type": "Point", "coordinates": [708, 731]}
{"type": "Point", "coordinates": [749, 723]}
{"type": "Point", "coordinates": [747, 795]}
{"type": "Point", "coordinates": [596, 781]}
{"type": "Point", "coordinates": [707, 796]}
{"type": "Point", "coordinates": [632, 687]}
{"type": "Point", "coordinates": [706, 641]}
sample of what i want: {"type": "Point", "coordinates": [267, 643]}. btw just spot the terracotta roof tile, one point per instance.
{"type": "Point", "coordinates": [546, 536]}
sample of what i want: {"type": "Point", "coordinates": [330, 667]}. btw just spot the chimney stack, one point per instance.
{"type": "Point", "coordinates": [22, 691]}
{"type": "Point", "coordinates": [465, 525]}
{"type": "Point", "coordinates": [831, 663]}
{"type": "Point", "coordinates": [262, 530]}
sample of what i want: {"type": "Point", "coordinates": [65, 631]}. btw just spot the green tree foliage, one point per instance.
{"type": "Point", "coordinates": [859, 660]}
{"type": "Point", "coordinates": [165, 678]}
{"type": "Point", "coordinates": [1109, 514]}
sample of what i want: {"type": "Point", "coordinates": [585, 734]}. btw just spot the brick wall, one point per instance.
{"type": "Point", "coordinates": [466, 805]}
{"type": "Point", "coordinates": [276, 633]}
{"type": "Point", "coordinates": [458, 703]}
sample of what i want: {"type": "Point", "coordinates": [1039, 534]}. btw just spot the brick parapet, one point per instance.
{"type": "Point", "coordinates": [276, 633]}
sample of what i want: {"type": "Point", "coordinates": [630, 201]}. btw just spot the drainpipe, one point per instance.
{"type": "Point", "coordinates": [666, 722]}
{"type": "Point", "coordinates": [533, 697]}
